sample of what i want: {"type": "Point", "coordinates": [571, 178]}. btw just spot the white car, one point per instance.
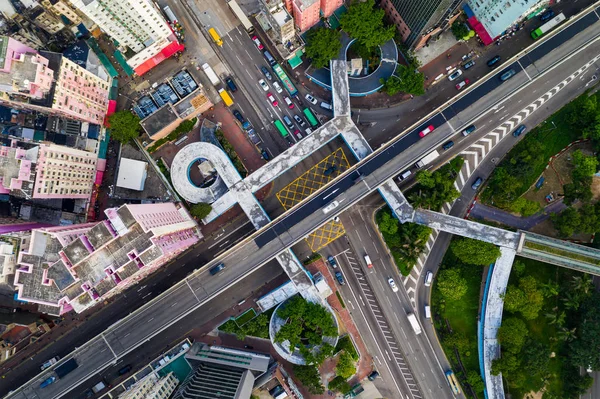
{"type": "Point", "coordinates": [392, 284]}
{"type": "Point", "coordinates": [330, 207]}
{"type": "Point", "coordinates": [264, 85]}
{"type": "Point", "coordinates": [454, 75]}
{"type": "Point", "coordinates": [311, 99]}
{"type": "Point", "coordinates": [277, 87]}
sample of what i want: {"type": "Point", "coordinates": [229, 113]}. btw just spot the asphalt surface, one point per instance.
{"type": "Point", "coordinates": [387, 310]}
{"type": "Point", "coordinates": [481, 211]}
{"type": "Point", "coordinates": [189, 295]}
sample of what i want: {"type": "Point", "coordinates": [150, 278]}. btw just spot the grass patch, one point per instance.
{"type": "Point", "coordinates": [345, 343]}
{"type": "Point", "coordinates": [245, 317]}
{"type": "Point", "coordinates": [256, 327]}
{"type": "Point", "coordinates": [315, 256]}
{"type": "Point", "coordinates": [337, 293]}
{"type": "Point", "coordinates": [164, 170]}
{"type": "Point", "coordinates": [183, 128]}
{"type": "Point", "coordinates": [459, 318]}
{"type": "Point", "coordinates": [230, 151]}
{"type": "Point", "coordinates": [561, 253]}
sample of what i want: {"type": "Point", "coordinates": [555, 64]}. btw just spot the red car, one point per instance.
{"type": "Point", "coordinates": [272, 99]}
{"type": "Point", "coordinates": [257, 42]}
{"type": "Point", "coordinates": [462, 84]}
{"type": "Point", "coordinates": [426, 131]}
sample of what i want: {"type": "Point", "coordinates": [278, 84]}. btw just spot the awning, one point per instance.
{"type": "Point", "coordinates": [480, 30]}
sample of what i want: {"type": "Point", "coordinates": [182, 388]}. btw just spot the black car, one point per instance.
{"type": "Point", "coordinates": [518, 131]}
{"type": "Point", "coordinates": [265, 155]}
{"type": "Point", "coordinates": [493, 61]}
{"type": "Point", "coordinates": [340, 278]}
{"type": "Point", "coordinates": [329, 170]}
{"type": "Point", "coordinates": [332, 261]}
{"type": "Point", "coordinates": [448, 145]}
{"type": "Point", "coordinates": [299, 120]}
{"type": "Point", "coordinates": [373, 375]}
{"type": "Point", "coordinates": [231, 85]}
{"type": "Point", "coordinates": [125, 369]}
{"type": "Point", "coordinates": [547, 15]}
{"type": "Point", "coordinates": [266, 72]}
{"type": "Point", "coordinates": [216, 269]}
{"type": "Point", "coordinates": [238, 115]}
{"type": "Point", "coordinates": [469, 64]}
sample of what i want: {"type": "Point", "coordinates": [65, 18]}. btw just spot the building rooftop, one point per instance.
{"type": "Point", "coordinates": [160, 119]}
{"type": "Point", "coordinates": [132, 174]}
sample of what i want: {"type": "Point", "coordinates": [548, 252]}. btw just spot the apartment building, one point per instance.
{"type": "Point", "coordinates": [63, 7]}
{"type": "Point", "coordinates": [152, 387]}
{"type": "Point", "coordinates": [138, 27]}
{"type": "Point", "coordinates": [74, 267]}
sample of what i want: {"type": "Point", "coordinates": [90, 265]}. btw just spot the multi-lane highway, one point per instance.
{"type": "Point", "coordinates": [193, 292]}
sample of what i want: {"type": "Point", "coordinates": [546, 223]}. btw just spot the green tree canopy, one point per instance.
{"type": "Point", "coordinates": [526, 299]}
{"type": "Point", "coordinates": [567, 222]}
{"type": "Point", "coordinates": [310, 378]}
{"type": "Point", "coordinates": [512, 334]}
{"type": "Point", "coordinates": [365, 23]}
{"type": "Point", "coordinates": [460, 30]}
{"type": "Point", "coordinates": [536, 357]}
{"type": "Point", "coordinates": [406, 80]}
{"type": "Point", "coordinates": [507, 364]}
{"type": "Point", "coordinates": [323, 45]}
{"type": "Point", "coordinates": [585, 165]}
{"type": "Point", "coordinates": [387, 223]}
{"type": "Point", "coordinates": [451, 284]}
{"type": "Point", "coordinates": [340, 385]}
{"type": "Point", "coordinates": [434, 195]}
{"type": "Point", "coordinates": [345, 367]}
{"type": "Point", "coordinates": [475, 252]}
{"type": "Point", "coordinates": [475, 381]}
{"type": "Point", "coordinates": [525, 207]}
{"type": "Point", "coordinates": [200, 210]}
{"type": "Point", "coordinates": [584, 349]}
{"type": "Point", "coordinates": [124, 126]}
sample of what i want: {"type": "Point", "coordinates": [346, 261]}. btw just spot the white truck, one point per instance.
{"type": "Point", "coordinates": [427, 159]}
{"type": "Point", "coordinates": [414, 323]}
{"type": "Point", "coordinates": [49, 363]}
{"type": "Point", "coordinates": [170, 14]}
{"type": "Point", "coordinates": [212, 76]}
{"type": "Point", "coordinates": [368, 261]}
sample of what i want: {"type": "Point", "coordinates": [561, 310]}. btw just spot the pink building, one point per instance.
{"type": "Point", "coordinates": [17, 170]}
{"type": "Point", "coordinates": [306, 13]}
{"type": "Point", "coordinates": [329, 6]}
{"type": "Point", "coordinates": [74, 267]}
{"type": "Point", "coordinates": [23, 72]}
{"type": "Point", "coordinates": [27, 75]}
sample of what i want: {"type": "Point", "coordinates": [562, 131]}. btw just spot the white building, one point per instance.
{"type": "Point", "coordinates": [152, 387]}
{"type": "Point", "coordinates": [137, 25]}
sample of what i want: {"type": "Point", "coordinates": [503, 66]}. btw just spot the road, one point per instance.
{"type": "Point", "coordinates": [407, 356]}
{"type": "Point", "coordinates": [249, 254]}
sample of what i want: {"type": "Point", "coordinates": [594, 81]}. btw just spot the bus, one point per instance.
{"type": "Point", "coordinates": [289, 86]}
{"type": "Point", "coordinates": [226, 98]}
{"type": "Point", "coordinates": [215, 36]}
{"type": "Point", "coordinates": [453, 382]}
{"type": "Point", "coordinates": [308, 114]}
{"type": "Point", "coordinates": [282, 130]}
{"type": "Point", "coordinates": [548, 26]}
{"type": "Point", "coordinates": [241, 16]}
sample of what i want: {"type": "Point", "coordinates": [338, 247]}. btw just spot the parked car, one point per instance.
{"type": "Point", "coordinates": [454, 75]}
{"type": "Point", "coordinates": [493, 61]}
{"type": "Point", "coordinates": [272, 99]}
{"type": "Point", "coordinates": [311, 99]}
{"type": "Point", "coordinates": [299, 120]}
{"type": "Point", "coordinates": [477, 183]}
{"type": "Point", "coordinates": [332, 261]}
{"type": "Point", "coordinates": [265, 155]}
{"type": "Point", "coordinates": [264, 85]}
{"type": "Point", "coordinates": [266, 72]}
{"type": "Point", "coordinates": [127, 369]}
{"type": "Point", "coordinates": [257, 42]}
{"type": "Point", "coordinates": [329, 170]}
{"type": "Point", "coordinates": [392, 284]}
{"type": "Point", "coordinates": [518, 131]}
{"type": "Point", "coordinates": [373, 376]}
{"type": "Point", "coordinates": [277, 87]}
{"type": "Point", "coordinates": [231, 85]}
{"type": "Point", "coordinates": [426, 131]}
{"type": "Point", "coordinates": [340, 278]}
{"type": "Point", "coordinates": [468, 64]}
{"type": "Point", "coordinates": [462, 84]}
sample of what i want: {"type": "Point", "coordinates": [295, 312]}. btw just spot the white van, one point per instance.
{"type": "Point", "coordinates": [428, 278]}
{"type": "Point", "coordinates": [427, 312]}
{"type": "Point", "coordinates": [330, 207]}
{"type": "Point", "coordinates": [368, 261]}
{"type": "Point", "coordinates": [326, 106]}
{"type": "Point", "coordinates": [404, 175]}
{"type": "Point", "coordinates": [308, 130]}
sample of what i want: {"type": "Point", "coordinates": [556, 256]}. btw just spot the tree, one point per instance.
{"type": "Point", "coordinates": [512, 334]}
{"type": "Point", "coordinates": [425, 178]}
{"type": "Point", "coordinates": [201, 210]}
{"type": "Point", "coordinates": [536, 357]}
{"type": "Point", "coordinates": [460, 30]}
{"type": "Point", "coordinates": [451, 284]}
{"type": "Point", "coordinates": [323, 45]}
{"type": "Point", "coordinates": [407, 80]}
{"type": "Point", "coordinates": [387, 223]}
{"type": "Point", "coordinates": [475, 381]}
{"type": "Point", "coordinates": [525, 207]}
{"type": "Point", "coordinates": [585, 165]}
{"type": "Point", "coordinates": [507, 364]}
{"type": "Point", "coordinates": [124, 126]}
{"type": "Point", "coordinates": [340, 385]}
{"type": "Point", "coordinates": [556, 317]}
{"type": "Point", "coordinates": [310, 378]}
{"type": "Point", "coordinates": [460, 342]}
{"type": "Point", "coordinates": [365, 23]}
{"type": "Point", "coordinates": [575, 383]}
{"type": "Point", "coordinates": [475, 252]}
{"type": "Point", "coordinates": [584, 350]}
{"type": "Point", "coordinates": [567, 222]}
{"type": "Point", "coordinates": [345, 367]}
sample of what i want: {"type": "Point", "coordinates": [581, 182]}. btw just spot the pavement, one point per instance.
{"type": "Point", "coordinates": [481, 211]}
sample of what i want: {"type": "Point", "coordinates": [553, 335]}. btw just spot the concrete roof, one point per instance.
{"type": "Point", "coordinates": [132, 174]}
